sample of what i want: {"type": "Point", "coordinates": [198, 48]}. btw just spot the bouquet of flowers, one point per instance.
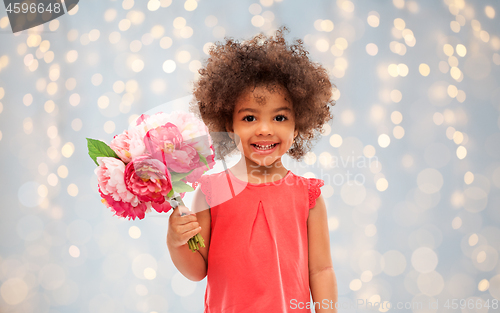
{"type": "Point", "coordinates": [153, 163]}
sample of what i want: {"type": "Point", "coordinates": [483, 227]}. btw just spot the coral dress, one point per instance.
{"type": "Point", "coordinates": [258, 254]}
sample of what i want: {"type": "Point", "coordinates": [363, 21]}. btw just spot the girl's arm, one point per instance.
{"type": "Point", "coordinates": [193, 265]}
{"type": "Point", "coordinates": [322, 280]}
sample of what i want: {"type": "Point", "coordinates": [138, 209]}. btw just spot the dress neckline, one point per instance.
{"type": "Point", "coordinates": [261, 184]}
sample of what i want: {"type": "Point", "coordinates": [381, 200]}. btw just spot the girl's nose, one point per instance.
{"type": "Point", "coordinates": [264, 128]}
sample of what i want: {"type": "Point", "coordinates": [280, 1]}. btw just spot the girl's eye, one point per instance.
{"type": "Point", "coordinates": [283, 118]}
{"type": "Point", "coordinates": [248, 116]}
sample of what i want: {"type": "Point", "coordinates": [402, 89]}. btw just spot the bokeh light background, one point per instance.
{"type": "Point", "coordinates": [418, 91]}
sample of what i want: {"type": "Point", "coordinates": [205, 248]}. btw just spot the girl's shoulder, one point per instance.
{"type": "Point", "coordinates": [209, 182]}
{"type": "Point", "coordinates": [313, 188]}
{"type": "Point", "coordinates": [310, 181]}
{"type": "Point", "coordinates": [207, 177]}
{"type": "Point", "coordinates": [205, 181]}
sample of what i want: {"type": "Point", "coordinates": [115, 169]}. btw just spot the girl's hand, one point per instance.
{"type": "Point", "coordinates": [181, 228]}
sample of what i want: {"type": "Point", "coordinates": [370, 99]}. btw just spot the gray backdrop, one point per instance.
{"type": "Point", "coordinates": [410, 161]}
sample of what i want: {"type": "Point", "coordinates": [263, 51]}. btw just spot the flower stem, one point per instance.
{"type": "Point", "coordinates": [196, 239]}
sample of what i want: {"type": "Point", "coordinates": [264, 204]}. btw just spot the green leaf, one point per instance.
{"type": "Point", "coordinates": [180, 186]}
{"type": "Point", "coordinates": [171, 193]}
{"type": "Point", "coordinates": [178, 176]}
{"type": "Point", "coordinates": [204, 160]}
{"type": "Point", "coordinates": [98, 148]}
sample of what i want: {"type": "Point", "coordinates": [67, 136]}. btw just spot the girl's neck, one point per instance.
{"type": "Point", "coordinates": [251, 172]}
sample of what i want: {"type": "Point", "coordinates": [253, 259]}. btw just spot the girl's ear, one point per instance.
{"type": "Point", "coordinates": [229, 129]}
{"type": "Point", "coordinates": [295, 133]}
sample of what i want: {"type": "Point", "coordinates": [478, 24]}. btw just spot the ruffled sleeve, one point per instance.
{"type": "Point", "coordinates": [314, 185]}
{"type": "Point", "coordinates": [204, 182]}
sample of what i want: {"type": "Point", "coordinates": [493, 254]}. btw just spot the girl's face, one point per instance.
{"type": "Point", "coordinates": [265, 124]}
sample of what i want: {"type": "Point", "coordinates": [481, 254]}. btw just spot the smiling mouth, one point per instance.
{"type": "Point", "coordinates": [268, 147]}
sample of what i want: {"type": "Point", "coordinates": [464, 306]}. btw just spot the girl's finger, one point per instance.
{"type": "Point", "coordinates": [187, 228]}
{"type": "Point", "coordinates": [186, 219]}
{"type": "Point", "coordinates": [191, 233]}
{"type": "Point", "coordinates": [177, 212]}
{"type": "Point", "coordinates": [184, 210]}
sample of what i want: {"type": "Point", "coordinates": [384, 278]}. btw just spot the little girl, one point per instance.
{"type": "Point", "coordinates": [265, 228]}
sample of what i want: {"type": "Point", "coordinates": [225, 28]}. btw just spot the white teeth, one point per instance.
{"type": "Point", "coordinates": [265, 147]}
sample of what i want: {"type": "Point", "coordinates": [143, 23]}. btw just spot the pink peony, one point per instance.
{"type": "Point", "coordinates": [124, 209]}
{"type": "Point", "coordinates": [184, 159]}
{"type": "Point", "coordinates": [141, 119]}
{"type": "Point", "coordinates": [148, 179]}
{"type": "Point", "coordinates": [146, 122]}
{"type": "Point", "coordinates": [110, 174]}
{"type": "Point", "coordinates": [161, 207]}
{"type": "Point", "coordinates": [194, 131]}
{"type": "Point", "coordinates": [202, 168]}
{"type": "Point", "coordinates": [189, 125]}
{"type": "Point", "coordinates": [165, 143]}
{"type": "Point", "coordinates": [139, 180]}
{"type": "Point", "coordinates": [128, 145]}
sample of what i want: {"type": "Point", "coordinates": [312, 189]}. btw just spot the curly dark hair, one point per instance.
{"type": "Point", "coordinates": [233, 67]}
